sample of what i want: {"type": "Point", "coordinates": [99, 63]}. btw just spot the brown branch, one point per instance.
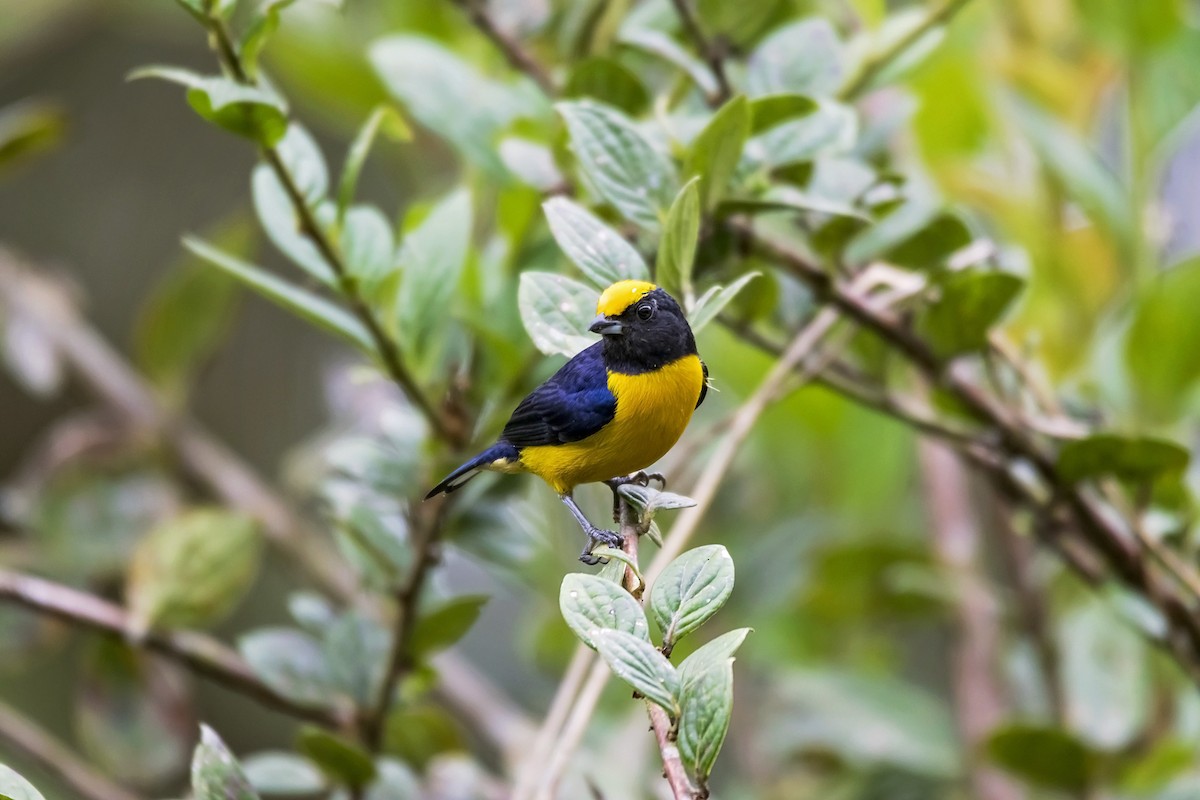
{"type": "Point", "coordinates": [708, 49]}
{"type": "Point", "coordinates": [517, 56]}
{"type": "Point", "coordinates": [387, 347]}
{"type": "Point", "coordinates": [872, 68]}
{"type": "Point", "coordinates": [202, 654]}
{"type": "Point", "coordinates": [674, 771]}
{"type": "Point", "coordinates": [27, 737]}
{"type": "Point", "coordinates": [979, 701]}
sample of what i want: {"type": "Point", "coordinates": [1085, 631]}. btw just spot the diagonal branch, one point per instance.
{"type": "Point", "coordinates": [708, 49]}
{"type": "Point", "coordinates": [517, 56]}
{"type": "Point", "coordinates": [27, 737]}
{"type": "Point", "coordinates": [387, 347]}
{"type": "Point", "coordinates": [202, 654]}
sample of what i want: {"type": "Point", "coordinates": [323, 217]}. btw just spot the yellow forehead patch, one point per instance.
{"type": "Point", "coordinates": [621, 295]}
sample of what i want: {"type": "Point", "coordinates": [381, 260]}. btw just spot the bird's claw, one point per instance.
{"type": "Point", "coordinates": [599, 536]}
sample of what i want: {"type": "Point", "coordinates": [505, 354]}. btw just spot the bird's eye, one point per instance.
{"type": "Point", "coordinates": [645, 311]}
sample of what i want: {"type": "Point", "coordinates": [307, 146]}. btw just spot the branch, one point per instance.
{"type": "Point", "coordinates": [426, 532]}
{"type": "Point", "coordinates": [387, 347]}
{"type": "Point", "coordinates": [202, 654]}
{"type": "Point", "coordinates": [45, 303]}
{"type": "Point", "coordinates": [707, 48]}
{"type": "Point", "coordinates": [872, 68]}
{"type": "Point", "coordinates": [39, 746]}
{"type": "Point", "coordinates": [517, 56]}
{"type": "Point", "coordinates": [978, 696]}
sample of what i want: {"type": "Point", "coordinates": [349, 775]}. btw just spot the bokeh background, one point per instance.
{"type": "Point", "coordinates": [1063, 130]}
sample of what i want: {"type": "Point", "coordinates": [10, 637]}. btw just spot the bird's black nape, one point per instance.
{"type": "Point", "coordinates": [646, 344]}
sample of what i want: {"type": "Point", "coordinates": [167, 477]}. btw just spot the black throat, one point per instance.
{"type": "Point", "coordinates": [640, 350]}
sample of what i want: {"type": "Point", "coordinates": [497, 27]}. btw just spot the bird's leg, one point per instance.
{"type": "Point", "coordinates": [640, 478]}
{"type": "Point", "coordinates": [594, 535]}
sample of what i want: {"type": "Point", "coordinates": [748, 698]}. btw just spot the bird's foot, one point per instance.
{"type": "Point", "coordinates": [639, 478]}
{"type": "Point", "coordinates": [599, 536]}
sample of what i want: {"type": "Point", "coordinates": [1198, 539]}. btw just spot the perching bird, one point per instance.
{"type": "Point", "coordinates": [614, 409]}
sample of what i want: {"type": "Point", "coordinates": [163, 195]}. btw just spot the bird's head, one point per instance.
{"type": "Point", "coordinates": [643, 327]}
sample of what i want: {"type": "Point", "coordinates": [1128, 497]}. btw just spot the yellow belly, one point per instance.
{"type": "Point", "coordinates": [652, 411]}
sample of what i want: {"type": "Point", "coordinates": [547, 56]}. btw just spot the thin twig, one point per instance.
{"type": "Point", "coordinates": [202, 654]}
{"type": "Point", "coordinates": [27, 737]}
{"type": "Point", "coordinates": [707, 48]}
{"type": "Point", "coordinates": [387, 347]}
{"type": "Point", "coordinates": [872, 68]}
{"type": "Point", "coordinates": [516, 55]}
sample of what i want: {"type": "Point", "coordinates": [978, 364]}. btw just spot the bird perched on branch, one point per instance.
{"type": "Point", "coordinates": [612, 410]}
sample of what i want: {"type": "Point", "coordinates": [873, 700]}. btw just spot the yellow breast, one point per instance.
{"type": "Point", "coordinates": [653, 409]}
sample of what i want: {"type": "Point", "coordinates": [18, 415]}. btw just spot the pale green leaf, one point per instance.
{"type": "Point", "coordinates": [216, 774]}
{"type": "Point", "coordinates": [712, 302]}
{"type": "Point", "coordinates": [690, 591]}
{"type": "Point", "coordinates": [282, 773]}
{"type": "Point", "coordinates": [432, 258]}
{"type": "Point", "coordinates": [677, 250]}
{"type": "Point", "coordinates": [556, 312]}
{"type": "Point", "coordinates": [302, 303]}
{"type": "Point", "coordinates": [14, 787]}
{"type": "Point", "coordinates": [289, 661]}
{"type": "Point", "coordinates": [383, 118]}
{"type": "Point", "coordinates": [249, 111]}
{"type": "Point", "coordinates": [600, 252]}
{"type": "Point", "coordinates": [704, 720]}
{"type": "Point", "coordinates": [340, 759]}
{"type": "Point", "coordinates": [639, 664]}
{"type": "Point", "coordinates": [444, 624]}
{"type": "Point", "coordinates": [804, 57]}
{"type": "Point", "coordinates": [590, 603]}
{"type": "Point", "coordinates": [711, 654]}
{"type": "Point", "coordinates": [368, 248]}
{"type": "Point", "coordinates": [659, 44]}
{"type": "Point", "coordinates": [714, 154]}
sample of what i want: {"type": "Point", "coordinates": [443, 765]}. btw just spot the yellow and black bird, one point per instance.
{"type": "Point", "coordinates": [614, 409]}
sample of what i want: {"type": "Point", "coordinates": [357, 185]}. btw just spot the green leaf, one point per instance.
{"type": "Point", "coordinates": [713, 302]}
{"type": "Point", "coordinates": [14, 787]}
{"type": "Point", "coordinates": [356, 650]}
{"type": "Point", "coordinates": [446, 623]}
{"type": "Point", "coordinates": [639, 664]}
{"type": "Point", "coordinates": [831, 129]}
{"type": "Point", "coordinates": [710, 655]}
{"type": "Point", "coordinates": [714, 154]}
{"type": "Point", "coordinates": [1050, 758]}
{"type": "Point", "coordinates": [677, 251]}
{"type": "Point", "coordinates": [1106, 677]}
{"type": "Point", "coordinates": [650, 501]}
{"type": "Point", "coordinates": [659, 44]}
{"type": "Point", "coordinates": [969, 304]}
{"type": "Point", "coordinates": [556, 312]}
{"type": "Point", "coordinates": [617, 576]}
{"type": "Point", "coordinates": [279, 772]}
{"type": "Point", "coordinates": [383, 118]}
{"type": "Point", "coordinates": [932, 245]}
{"type": "Point", "coordinates": [600, 252]}
{"type": "Point", "coordinates": [290, 662]}
{"type": "Point", "coordinates": [432, 258]}
{"type": "Point", "coordinates": [1132, 459]}
{"type": "Point", "coordinates": [394, 781]}
{"type": "Point", "coordinates": [903, 228]}
{"type": "Point", "coordinates": [1163, 375]}
{"type": "Point", "coordinates": [590, 604]}
{"type": "Point", "coordinates": [308, 306]}
{"type": "Point", "coordinates": [302, 158]}
{"type": "Point", "coordinates": [704, 720]}
{"type": "Point", "coordinates": [188, 313]}
{"type": "Point", "coordinates": [261, 28]}
{"type": "Point", "coordinates": [133, 713]}
{"type": "Point", "coordinates": [773, 109]}
{"type": "Point", "coordinates": [531, 162]}
{"type": "Point", "coordinates": [624, 169]}
{"type": "Point", "coordinates": [279, 219]}
{"type": "Point", "coordinates": [896, 31]}
{"type": "Point", "coordinates": [690, 590]}
{"type": "Point", "coordinates": [804, 57]}
{"type": "Point", "coordinates": [216, 774]}
{"type": "Point", "coordinates": [29, 127]}
{"type": "Point", "coordinates": [341, 760]}
{"type": "Point", "coordinates": [609, 81]}
{"type": "Point", "coordinates": [368, 249]}
{"type": "Point", "coordinates": [1083, 176]}
{"type": "Point", "coordinates": [741, 23]}
{"type": "Point", "coordinates": [192, 569]}
{"type": "Point", "coordinates": [248, 111]}
{"type": "Point", "coordinates": [451, 97]}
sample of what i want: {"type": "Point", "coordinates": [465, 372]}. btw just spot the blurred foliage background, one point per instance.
{"type": "Point", "coordinates": [913, 638]}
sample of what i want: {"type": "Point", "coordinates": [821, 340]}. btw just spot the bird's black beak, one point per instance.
{"type": "Point", "coordinates": [605, 326]}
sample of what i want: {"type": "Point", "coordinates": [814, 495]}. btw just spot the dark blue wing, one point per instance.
{"type": "Point", "coordinates": [572, 405]}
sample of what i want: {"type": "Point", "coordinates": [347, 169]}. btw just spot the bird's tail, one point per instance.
{"type": "Point", "coordinates": [500, 451]}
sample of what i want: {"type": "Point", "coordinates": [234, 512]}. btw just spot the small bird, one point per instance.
{"type": "Point", "coordinates": [612, 410]}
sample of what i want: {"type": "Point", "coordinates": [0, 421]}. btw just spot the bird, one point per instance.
{"type": "Point", "coordinates": [611, 411]}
